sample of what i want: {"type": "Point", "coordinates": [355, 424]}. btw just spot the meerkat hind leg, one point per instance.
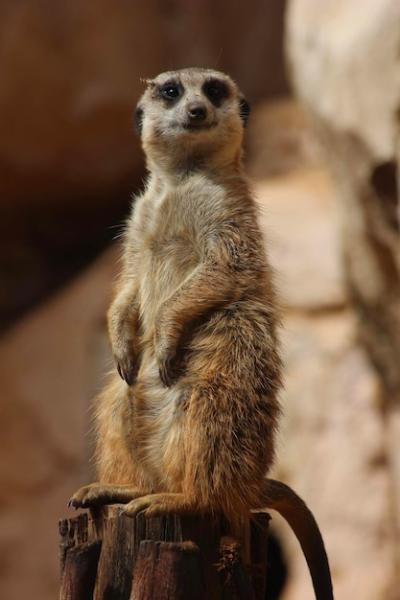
{"type": "Point", "coordinates": [97, 494]}
{"type": "Point", "coordinates": [159, 504]}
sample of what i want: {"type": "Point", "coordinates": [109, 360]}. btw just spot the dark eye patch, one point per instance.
{"type": "Point", "coordinates": [170, 91]}
{"type": "Point", "coordinates": [216, 91]}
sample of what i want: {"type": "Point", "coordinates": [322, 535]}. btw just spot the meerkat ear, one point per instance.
{"type": "Point", "coordinates": [139, 119]}
{"type": "Point", "coordinates": [139, 112]}
{"type": "Point", "coordinates": [148, 83]}
{"type": "Point", "coordinates": [244, 110]}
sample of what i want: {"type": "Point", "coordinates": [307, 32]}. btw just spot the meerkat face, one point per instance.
{"type": "Point", "coordinates": [191, 113]}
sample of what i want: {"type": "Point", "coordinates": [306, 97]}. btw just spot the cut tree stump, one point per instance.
{"type": "Point", "coordinates": [105, 555]}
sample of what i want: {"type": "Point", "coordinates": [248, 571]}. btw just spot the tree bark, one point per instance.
{"type": "Point", "coordinates": [106, 555]}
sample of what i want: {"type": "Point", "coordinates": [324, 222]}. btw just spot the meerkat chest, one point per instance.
{"type": "Point", "coordinates": [168, 251]}
{"type": "Point", "coordinates": [170, 243]}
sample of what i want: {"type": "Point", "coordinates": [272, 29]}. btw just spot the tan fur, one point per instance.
{"type": "Point", "coordinates": [194, 270]}
{"type": "Point", "coordinates": [193, 324]}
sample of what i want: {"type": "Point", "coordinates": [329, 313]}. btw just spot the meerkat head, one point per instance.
{"type": "Point", "coordinates": [190, 118]}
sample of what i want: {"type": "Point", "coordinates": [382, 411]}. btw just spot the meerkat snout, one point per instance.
{"type": "Point", "coordinates": [197, 112]}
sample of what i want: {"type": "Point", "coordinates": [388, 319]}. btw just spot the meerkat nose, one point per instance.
{"type": "Point", "coordinates": [196, 111]}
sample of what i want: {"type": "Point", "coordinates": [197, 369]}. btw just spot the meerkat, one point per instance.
{"type": "Point", "coordinates": [189, 426]}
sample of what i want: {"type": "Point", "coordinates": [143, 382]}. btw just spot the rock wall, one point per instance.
{"type": "Point", "coordinates": [332, 438]}
{"type": "Point", "coordinates": [345, 67]}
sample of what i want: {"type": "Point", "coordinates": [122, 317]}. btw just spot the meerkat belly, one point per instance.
{"type": "Point", "coordinates": [159, 423]}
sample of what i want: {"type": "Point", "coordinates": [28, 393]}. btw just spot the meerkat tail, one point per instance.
{"type": "Point", "coordinates": [293, 509]}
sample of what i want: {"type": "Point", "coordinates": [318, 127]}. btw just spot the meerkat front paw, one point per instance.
{"type": "Point", "coordinates": [127, 363]}
{"type": "Point", "coordinates": [124, 342]}
{"type": "Point", "coordinates": [169, 360]}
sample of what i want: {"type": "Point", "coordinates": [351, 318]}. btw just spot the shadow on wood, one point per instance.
{"type": "Point", "coordinates": [106, 555]}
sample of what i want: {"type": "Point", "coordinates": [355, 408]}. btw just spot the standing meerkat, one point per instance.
{"type": "Point", "coordinates": [190, 424]}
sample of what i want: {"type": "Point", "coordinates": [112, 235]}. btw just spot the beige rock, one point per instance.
{"type": "Point", "coordinates": [299, 215]}
{"type": "Point", "coordinates": [280, 138]}
{"type": "Point", "coordinates": [332, 451]}
{"type": "Point", "coordinates": [333, 438]}
{"type": "Point", "coordinates": [345, 66]}
{"type": "Point", "coordinates": [344, 63]}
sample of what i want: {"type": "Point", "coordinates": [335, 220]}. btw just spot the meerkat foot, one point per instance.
{"type": "Point", "coordinates": [158, 504]}
{"type": "Point", "coordinates": [97, 494]}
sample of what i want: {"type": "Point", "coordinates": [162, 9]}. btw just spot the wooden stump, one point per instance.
{"type": "Point", "coordinates": [105, 555]}
{"type": "Point", "coordinates": [168, 570]}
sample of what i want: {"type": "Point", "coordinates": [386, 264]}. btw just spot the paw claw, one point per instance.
{"type": "Point", "coordinates": [126, 370]}
{"type": "Point", "coordinates": [128, 377]}
{"type": "Point", "coordinates": [120, 373]}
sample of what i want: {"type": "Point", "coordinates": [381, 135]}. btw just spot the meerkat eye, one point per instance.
{"type": "Point", "coordinates": [170, 91]}
{"type": "Point", "coordinates": [216, 91]}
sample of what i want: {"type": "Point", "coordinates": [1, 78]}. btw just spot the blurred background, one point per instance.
{"type": "Point", "coordinates": [323, 155]}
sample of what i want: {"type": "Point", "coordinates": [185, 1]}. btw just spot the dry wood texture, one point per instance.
{"type": "Point", "coordinates": [105, 555]}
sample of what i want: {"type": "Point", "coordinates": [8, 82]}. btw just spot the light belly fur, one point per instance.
{"type": "Point", "coordinates": [159, 425]}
